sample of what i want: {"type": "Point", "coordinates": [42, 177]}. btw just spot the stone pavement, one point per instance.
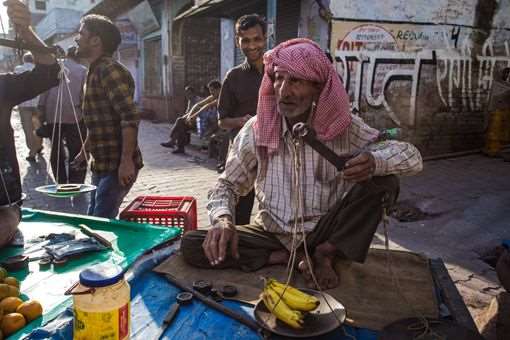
{"type": "Point", "coordinates": [463, 204]}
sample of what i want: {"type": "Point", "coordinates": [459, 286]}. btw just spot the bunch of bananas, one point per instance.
{"type": "Point", "coordinates": [287, 303]}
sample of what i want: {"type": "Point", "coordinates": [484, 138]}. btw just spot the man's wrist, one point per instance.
{"type": "Point", "coordinates": [224, 219]}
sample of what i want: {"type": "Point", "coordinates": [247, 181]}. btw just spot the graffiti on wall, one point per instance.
{"type": "Point", "coordinates": [473, 77]}
{"type": "Point", "coordinates": [368, 57]}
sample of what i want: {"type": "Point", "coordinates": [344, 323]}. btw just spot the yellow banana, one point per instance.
{"type": "Point", "coordinates": [293, 297]}
{"type": "Point", "coordinates": [280, 309]}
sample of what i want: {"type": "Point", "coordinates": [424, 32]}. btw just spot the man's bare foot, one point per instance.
{"type": "Point", "coordinates": [323, 268]}
{"type": "Point", "coordinates": [279, 257]}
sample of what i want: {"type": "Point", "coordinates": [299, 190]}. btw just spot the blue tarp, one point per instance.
{"type": "Point", "coordinates": [151, 297]}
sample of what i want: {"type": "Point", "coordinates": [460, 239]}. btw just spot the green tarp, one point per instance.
{"type": "Point", "coordinates": [130, 240]}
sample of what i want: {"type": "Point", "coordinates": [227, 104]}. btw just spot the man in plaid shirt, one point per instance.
{"type": "Point", "coordinates": [110, 116]}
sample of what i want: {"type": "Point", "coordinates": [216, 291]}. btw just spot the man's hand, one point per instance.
{"type": "Point", "coordinates": [18, 14]}
{"type": "Point", "coordinates": [360, 168]}
{"type": "Point", "coordinates": [217, 240]}
{"type": "Point", "coordinates": [127, 173]}
{"type": "Point", "coordinates": [20, 17]}
{"type": "Point", "coordinates": [189, 120]}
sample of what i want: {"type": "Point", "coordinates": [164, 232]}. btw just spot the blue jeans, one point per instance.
{"type": "Point", "coordinates": [109, 194]}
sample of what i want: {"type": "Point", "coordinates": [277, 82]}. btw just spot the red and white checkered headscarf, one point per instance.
{"type": "Point", "coordinates": [303, 59]}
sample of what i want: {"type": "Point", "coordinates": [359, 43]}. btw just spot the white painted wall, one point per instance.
{"type": "Point", "coordinates": [227, 46]}
{"type": "Point", "coordinates": [502, 18]}
{"type": "Point", "coordinates": [80, 5]}
{"type": "Point", "coordinates": [459, 12]}
{"type": "Point", "coordinates": [311, 25]}
{"type": "Point", "coordinates": [417, 64]}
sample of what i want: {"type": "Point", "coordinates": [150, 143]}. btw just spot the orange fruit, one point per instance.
{"type": "Point", "coordinates": [12, 322]}
{"type": "Point", "coordinates": [4, 290]}
{"type": "Point", "coordinates": [31, 310]}
{"type": "Point", "coordinates": [9, 304]}
{"type": "Point", "coordinates": [11, 281]}
{"type": "Point", "coordinates": [13, 291]}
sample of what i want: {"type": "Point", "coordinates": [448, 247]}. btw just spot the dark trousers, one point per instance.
{"type": "Point", "coordinates": [70, 144]}
{"type": "Point", "coordinates": [244, 208]}
{"type": "Point", "coordinates": [180, 133]}
{"type": "Point", "coordinates": [218, 146]}
{"type": "Point", "coordinates": [350, 225]}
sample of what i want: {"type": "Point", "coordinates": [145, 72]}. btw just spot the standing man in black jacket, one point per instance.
{"type": "Point", "coordinates": [15, 89]}
{"type": "Point", "coordinates": [240, 91]}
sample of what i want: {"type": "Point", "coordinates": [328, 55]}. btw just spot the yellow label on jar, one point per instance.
{"type": "Point", "coordinates": [108, 325]}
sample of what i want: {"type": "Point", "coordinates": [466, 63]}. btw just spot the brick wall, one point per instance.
{"type": "Point", "coordinates": [201, 51]}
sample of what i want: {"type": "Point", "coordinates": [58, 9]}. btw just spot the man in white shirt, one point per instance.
{"type": "Point", "coordinates": [300, 195]}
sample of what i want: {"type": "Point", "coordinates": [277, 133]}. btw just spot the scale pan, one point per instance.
{"type": "Point", "coordinates": [65, 190]}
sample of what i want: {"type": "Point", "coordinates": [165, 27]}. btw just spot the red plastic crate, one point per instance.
{"type": "Point", "coordinates": [169, 211]}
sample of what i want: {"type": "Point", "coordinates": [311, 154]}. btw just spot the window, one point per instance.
{"type": "Point", "coordinates": [40, 5]}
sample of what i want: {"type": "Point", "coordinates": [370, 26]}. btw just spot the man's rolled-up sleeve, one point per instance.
{"type": "Point", "coordinates": [27, 85]}
{"type": "Point", "coordinates": [397, 158]}
{"type": "Point", "coordinates": [391, 157]}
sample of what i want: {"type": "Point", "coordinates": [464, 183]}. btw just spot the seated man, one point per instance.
{"type": "Point", "coordinates": [183, 125]}
{"type": "Point", "coordinates": [15, 89]}
{"type": "Point", "coordinates": [340, 210]}
{"type": "Point", "coordinates": [191, 100]}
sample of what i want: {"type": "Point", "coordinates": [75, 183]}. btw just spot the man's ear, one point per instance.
{"type": "Point", "coordinates": [95, 40]}
{"type": "Point", "coordinates": [237, 41]}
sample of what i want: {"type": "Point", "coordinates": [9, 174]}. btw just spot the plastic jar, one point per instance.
{"type": "Point", "coordinates": [101, 304]}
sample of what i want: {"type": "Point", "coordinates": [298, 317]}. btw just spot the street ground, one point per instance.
{"type": "Point", "coordinates": [456, 208]}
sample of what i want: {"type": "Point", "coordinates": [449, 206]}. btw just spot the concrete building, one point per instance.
{"type": "Point", "coordinates": [206, 38]}
{"type": "Point", "coordinates": [177, 47]}
{"type": "Point", "coordinates": [150, 57]}
{"type": "Point", "coordinates": [38, 9]}
{"type": "Point", "coordinates": [60, 18]}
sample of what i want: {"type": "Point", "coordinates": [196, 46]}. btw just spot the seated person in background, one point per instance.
{"type": "Point", "coordinates": [191, 100]}
{"type": "Point", "coordinates": [207, 122]}
{"type": "Point", "coordinates": [15, 89]}
{"type": "Point", "coordinates": [340, 210]}
{"type": "Point", "coordinates": [183, 125]}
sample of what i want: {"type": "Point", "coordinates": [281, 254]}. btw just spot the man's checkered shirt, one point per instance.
{"type": "Point", "coordinates": [108, 106]}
